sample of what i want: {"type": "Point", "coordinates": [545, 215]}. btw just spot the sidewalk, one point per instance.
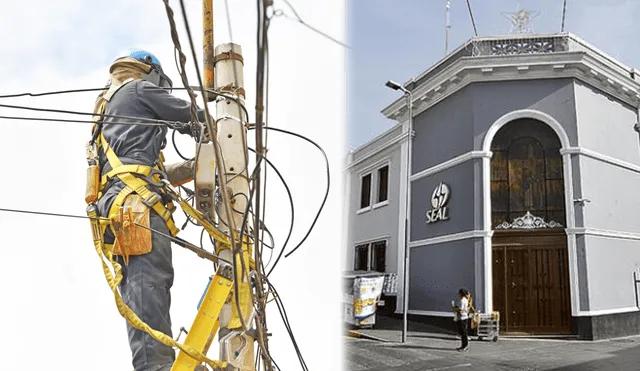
{"type": "Point", "coordinates": [431, 348]}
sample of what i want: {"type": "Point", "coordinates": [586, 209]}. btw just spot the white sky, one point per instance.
{"type": "Point", "coordinates": [57, 310]}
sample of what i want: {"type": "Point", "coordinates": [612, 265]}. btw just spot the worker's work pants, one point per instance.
{"type": "Point", "coordinates": [145, 288]}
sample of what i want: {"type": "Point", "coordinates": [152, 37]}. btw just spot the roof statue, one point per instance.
{"type": "Point", "coordinates": [521, 20]}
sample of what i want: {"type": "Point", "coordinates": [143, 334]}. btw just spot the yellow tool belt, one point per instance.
{"type": "Point", "coordinates": [137, 185]}
{"type": "Point", "coordinates": [134, 202]}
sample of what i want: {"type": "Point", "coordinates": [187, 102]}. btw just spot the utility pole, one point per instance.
{"type": "Point", "coordinates": [205, 177]}
{"type": "Point", "coordinates": [223, 72]}
{"type": "Point", "coordinates": [208, 45]}
{"type": "Point", "coordinates": [236, 345]}
{"type": "Point", "coordinates": [405, 289]}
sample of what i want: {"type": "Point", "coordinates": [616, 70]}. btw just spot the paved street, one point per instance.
{"type": "Point", "coordinates": [429, 349]}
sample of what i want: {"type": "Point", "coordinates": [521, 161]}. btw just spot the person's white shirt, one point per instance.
{"type": "Point", "coordinates": [463, 314]}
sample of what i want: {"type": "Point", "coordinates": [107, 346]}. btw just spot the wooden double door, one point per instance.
{"type": "Point", "coordinates": [531, 281]}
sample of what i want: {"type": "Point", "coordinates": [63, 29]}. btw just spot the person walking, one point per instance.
{"type": "Point", "coordinates": [461, 318]}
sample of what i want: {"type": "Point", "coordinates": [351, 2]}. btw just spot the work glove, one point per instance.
{"type": "Point", "coordinates": [192, 129]}
{"type": "Point", "coordinates": [184, 128]}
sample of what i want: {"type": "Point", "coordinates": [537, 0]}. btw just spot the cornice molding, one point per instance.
{"type": "Point", "coordinates": [580, 65]}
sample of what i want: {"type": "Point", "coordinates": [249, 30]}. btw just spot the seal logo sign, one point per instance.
{"type": "Point", "coordinates": [439, 200]}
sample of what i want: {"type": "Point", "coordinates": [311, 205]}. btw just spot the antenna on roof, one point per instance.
{"type": "Point", "coordinates": [447, 29]}
{"type": "Point", "coordinates": [564, 13]}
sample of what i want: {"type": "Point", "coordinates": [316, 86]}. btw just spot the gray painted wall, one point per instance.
{"type": "Point", "coordinates": [369, 148]}
{"type": "Point", "coordinates": [610, 266]}
{"type": "Point", "coordinates": [443, 132]}
{"type": "Point", "coordinates": [491, 100]}
{"type": "Point", "coordinates": [460, 206]}
{"type": "Point", "coordinates": [437, 272]}
{"type": "Point", "coordinates": [376, 222]}
{"type": "Point", "coordinates": [458, 125]}
{"type": "Point", "coordinates": [606, 126]}
{"type": "Point", "coordinates": [451, 128]}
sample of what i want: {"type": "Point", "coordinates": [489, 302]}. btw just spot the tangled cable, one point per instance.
{"type": "Point", "coordinates": [257, 191]}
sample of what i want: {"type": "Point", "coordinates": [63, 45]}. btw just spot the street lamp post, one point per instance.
{"type": "Point", "coordinates": [405, 289]}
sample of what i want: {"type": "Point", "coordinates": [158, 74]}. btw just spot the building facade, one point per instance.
{"type": "Point", "coordinates": [524, 170]}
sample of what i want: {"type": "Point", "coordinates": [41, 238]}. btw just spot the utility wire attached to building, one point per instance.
{"type": "Point", "coordinates": [564, 13]}
{"type": "Point", "coordinates": [473, 22]}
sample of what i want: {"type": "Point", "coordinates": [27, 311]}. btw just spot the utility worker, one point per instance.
{"type": "Point", "coordinates": [130, 169]}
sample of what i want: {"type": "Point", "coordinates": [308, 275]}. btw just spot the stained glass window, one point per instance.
{"type": "Point", "coordinates": [526, 173]}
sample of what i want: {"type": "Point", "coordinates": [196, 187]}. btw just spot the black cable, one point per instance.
{"type": "Point", "coordinates": [328, 182]}
{"type": "Point", "coordinates": [299, 19]}
{"type": "Point", "coordinates": [211, 92]}
{"type": "Point", "coordinates": [175, 146]}
{"type": "Point", "coordinates": [289, 195]}
{"type": "Point", "coordinates": [473, 22]}
{"type": "Point", "coordinates": [51, 93]}
{"type": "Point", "coordinates": [145, 121]}
{"type": "Point", "coordinates": [178, 241]}
{"type": "Point", "coordinates": [261, 35]}
{"type": "Point", "coordinates": [75, 121]}
{"type": "Point", "coordinates": [50, 214]}
{"type": "Point", "coordinates": [287, 324]}
{"type": "Point", "coordinates": [226, 7]}
{"type": "Point", "coordinates": [266, 145]}
{"type": "Point", "coordinates": [564, 13]}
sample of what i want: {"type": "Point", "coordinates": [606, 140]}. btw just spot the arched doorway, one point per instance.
{"type": "Point", "coordinates": [529, 245]}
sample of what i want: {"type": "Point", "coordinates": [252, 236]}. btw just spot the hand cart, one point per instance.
{"type": "Point", "coordinates": [489, 326]}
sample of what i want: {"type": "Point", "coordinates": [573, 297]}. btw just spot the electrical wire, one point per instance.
{"type": "Point", "coordinates": [162, 123]}
{"type": "Point", "coordinates": [261, 42]}
{"type": "Point", "coordinates": [183, 60]}
{"type": "Point", "coordinates": [211, 92]}
{"type": "Point", "coordinates": [299, 20]}
{"type": "Point", "coordinates": [45, 119]}
{"type": "Point", "coordinates": [50, 93]}
{"type": "Point", "coordinates": [50, 214]}
{"type": "Point", "coordinates": [175, 146]}
{"type": "Point", "coordinates": [266, 145]}
{"type": "Point", "coordinates": [204, 254]}
{"type": "Point", "coordinates": [564, 13]}
{"type": "Point", "coordinates": [287, 324]}
{"type": "Point", "coordinates": [226, 7]}
{"type": "Point", "coordinates": [144, 120]}
{"type": "Point", "coordinates": [289, 195]}
{"type": "Point", "coordinates": [327, 188]}
{"type": "Point", "coordinates": [473, 22]}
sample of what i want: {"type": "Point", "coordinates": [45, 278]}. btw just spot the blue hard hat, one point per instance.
{"type": "Point", "coordinates": [145, 57]}
{"type": "Point", "coordinates": [155, 75]}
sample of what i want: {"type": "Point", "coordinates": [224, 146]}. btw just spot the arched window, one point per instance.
{"type": "Point", "coordinates": [526, 173]}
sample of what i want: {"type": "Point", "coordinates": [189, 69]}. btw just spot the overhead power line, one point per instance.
{"type": "Point", "coordinates": [473, 22]}
{"type": "Point", "coordinates": [298, 19]}
{"type": "Point", "coordinates": [564, 13]}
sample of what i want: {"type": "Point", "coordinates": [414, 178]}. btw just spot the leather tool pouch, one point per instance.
{"type": "Point", "coordinates": [132, 239]}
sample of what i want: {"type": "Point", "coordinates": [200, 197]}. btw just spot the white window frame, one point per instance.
{"type": "Point", "coordinates": [373, 187]}
{"type": "Point", "coordinates": [370, 206]}
{"type": "Point", "coordinates": [385, 202]}
{"type": "Point", "coordinates": [369, 246]}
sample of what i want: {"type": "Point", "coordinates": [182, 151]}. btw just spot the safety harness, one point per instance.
{"type": "Point", "coordinates": [137, 179]}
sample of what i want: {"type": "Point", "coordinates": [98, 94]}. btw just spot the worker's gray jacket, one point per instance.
{"type": "Point", "coordinates": [138, 144]}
